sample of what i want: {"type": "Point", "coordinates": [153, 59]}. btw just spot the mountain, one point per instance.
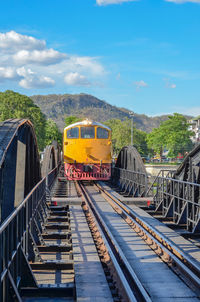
{"type": "Point", "coordinates": [57, 107]}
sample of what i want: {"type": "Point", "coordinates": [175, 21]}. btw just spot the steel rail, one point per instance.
{"type": "Point", "coordinates": [185, 263]}
{"type": "Point", "coordinates": [132, 286]}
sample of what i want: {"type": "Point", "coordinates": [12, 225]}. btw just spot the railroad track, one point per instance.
{"type": "Point", "coordinates": [136, 253]}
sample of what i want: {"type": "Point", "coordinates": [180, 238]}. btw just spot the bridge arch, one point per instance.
{"type": "Point", "coordinates": [19, 163]}
{"type": "Point", "coordinates": [50, 158]}
{"type": "Point", "coordinates": [130, 159]}
{"type": "Point", "coordinates": [129, 173]}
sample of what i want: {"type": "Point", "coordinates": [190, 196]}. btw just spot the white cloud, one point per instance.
{"type": "Point", "coordinates": [8, 73]}
{"type": "Point", "coordinates": [76, 79]}
{"type": "Point", "coordinates": [140, 84]}
{"type": "Point", "coordinates": [183, 1]}
{"type": "Point", "coordinates": [32, 80]}
{"type": "Point", "coordinates": [169, 84]}
{"type": "Point", "coordinates": [44, 57]}
{"type": "Point", "coordinates": [86, 63]}
{"type": "Point", "coordinates": [107, 2]}
{"type": "Point", "coordinates": [12, 41]}
{"type": "Point", "coordinates": [23, 72]}
{"type": "Point", "coordinates": [36, 66]}
{"type": "Point", "coordinates": [37, 82]}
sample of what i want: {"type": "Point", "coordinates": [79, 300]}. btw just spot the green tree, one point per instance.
{"type": "Point", "coordinates": [172, 134]}
{"type": "Point", "coordinates": [15, 105]}
{"type": "Point", "coordinates": [52, 133]}
{"type": "Point", "coordinates": [71, 120]}
{"type": "Point", "coordinates": [121, 136]}
{"type": "Point", "coordinates": [156, 141]}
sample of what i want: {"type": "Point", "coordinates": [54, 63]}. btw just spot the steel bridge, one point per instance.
{"type": "Point", "coordinates": [25, 195]}
{"type": "Point", "coordinates": [24, 189]}
{"type": "Point", "coordinates": [175, 194]}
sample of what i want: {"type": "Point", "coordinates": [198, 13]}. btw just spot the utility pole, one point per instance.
{"type": "Point", "coordinates": [131, 116]}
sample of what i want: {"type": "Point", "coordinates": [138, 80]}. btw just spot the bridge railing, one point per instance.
{"type": "Point", "coordinates": [131, 183]}
{"type": "Point", "coordinates": [51, 177]}
{"type": "Point", "coordinates": [162, 173]}
{"type": "Point", "coordinates": [19, 240]}
{"type": "Point", "coordinates": [178, 200]}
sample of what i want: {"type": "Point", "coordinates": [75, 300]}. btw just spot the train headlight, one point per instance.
{"type": "Point", "coordinates": [87, 122]}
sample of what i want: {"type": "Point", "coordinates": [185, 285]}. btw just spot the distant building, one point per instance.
{"type": "Point", "coordinates": [195, 127]}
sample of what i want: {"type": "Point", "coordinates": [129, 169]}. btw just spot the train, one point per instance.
{"type": "Point", "coordinates": [87, 151]}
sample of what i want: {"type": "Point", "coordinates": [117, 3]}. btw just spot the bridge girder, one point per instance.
{"type": "Point", "coordinates": [19, 163]}
{"type": "Point", "coordinates": [51, 158]}
{"type": "Point", "coordinates": [129, 173]}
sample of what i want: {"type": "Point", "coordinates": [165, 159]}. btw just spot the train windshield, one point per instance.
{"type": "Point", "coordinates": [102, 133]}
{"type": "Point", "coordinates": [87, 132]}
{"type": "Point", "coordinates": [73, 133]}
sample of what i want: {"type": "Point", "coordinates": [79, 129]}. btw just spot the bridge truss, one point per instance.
{"type": "Point", "coordinates": [176, 194]}
{"type": "Point", "coordinates": [23, 206]}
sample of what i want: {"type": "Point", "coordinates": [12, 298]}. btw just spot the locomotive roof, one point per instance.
{"type": "Point", "coordinates": [90, 123]}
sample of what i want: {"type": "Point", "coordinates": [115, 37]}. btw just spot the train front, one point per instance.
{"type": "Point", "coordinates": [87, 151]}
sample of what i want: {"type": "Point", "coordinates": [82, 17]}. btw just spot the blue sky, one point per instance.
{"type": "Point", "coordinates": [142, 55]}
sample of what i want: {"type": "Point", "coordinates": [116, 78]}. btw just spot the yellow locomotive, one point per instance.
{"type": "Point", "coordinates": [87, 151]}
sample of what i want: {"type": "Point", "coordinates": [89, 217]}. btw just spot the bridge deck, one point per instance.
{"type": "Point", "coordinates": [90, 281]}
{"type": "Point", "coordinates": [54, 276]}
{"type": "Point", "coordinates": [91, 284]}
{"type": "Point", "coordinates": [187, 246]}
{"type": "Point", "coordinates": [157, 278]}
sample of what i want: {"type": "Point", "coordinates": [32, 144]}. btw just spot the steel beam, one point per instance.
{"type": "Point", "coordinates": [20, 173]}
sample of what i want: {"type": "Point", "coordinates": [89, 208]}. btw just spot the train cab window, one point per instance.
{"type": "Point", "coordinates": [102, 133]}
{"type": "Point", "coordinates": [73, 133]}
{"type": "Point", "coordinates": [87, 132]}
